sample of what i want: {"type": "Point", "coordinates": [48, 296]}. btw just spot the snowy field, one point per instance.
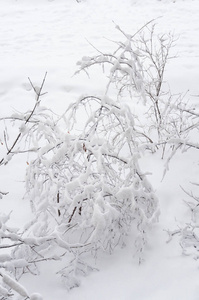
{"type": "Point", "coordinates": [39, 36]}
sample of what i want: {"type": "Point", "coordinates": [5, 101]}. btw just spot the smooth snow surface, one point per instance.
{"type": "Point", "coordinates": [40, 35]}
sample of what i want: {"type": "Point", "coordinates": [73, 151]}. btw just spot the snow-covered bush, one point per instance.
{"type": "Point", "coordinates": [84, 185]}
{"type": "Point", "coordinates": [137, 69]}
{"type": "Point", "coordinates": [86, 181]}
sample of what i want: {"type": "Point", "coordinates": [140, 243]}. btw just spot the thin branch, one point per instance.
{"type": "Point", "coordinates": [9, 150]}
{"type": "Point", "coordinates": [10, 246]}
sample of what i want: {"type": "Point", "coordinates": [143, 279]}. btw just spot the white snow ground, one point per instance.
{"type": "Point", "coordinates": [40, 35]}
